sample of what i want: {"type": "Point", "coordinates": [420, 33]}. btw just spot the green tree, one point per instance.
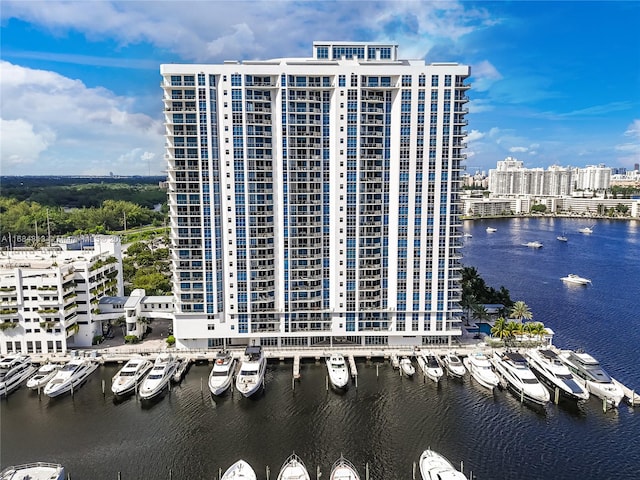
{"type": "Point", "coordinates": [520, 310]}
{"type": "Point", "coordinates": [499, 328]}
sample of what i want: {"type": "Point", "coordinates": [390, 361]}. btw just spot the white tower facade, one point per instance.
{"type": "Point", "coordinates": [316, 198]}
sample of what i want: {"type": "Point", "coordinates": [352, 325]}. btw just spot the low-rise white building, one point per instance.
{"type": "Point", "coordinates": [49, 296]}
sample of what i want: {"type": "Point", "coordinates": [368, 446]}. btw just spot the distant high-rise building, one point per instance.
{"type": "Point", "coordinates": [511, 178]}
{"type": "Point", "coordinates": [314, 198]}
{"type": "Point", "coordinates": [592, 177]}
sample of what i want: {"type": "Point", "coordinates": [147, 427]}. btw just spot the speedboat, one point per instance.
{"type": "Point", "coordinates": [428, 362]}
{"type": "Point", "coordinates": [562, 238]}
{"type": "Point", "coordinates": [491, 230]}
{"type": "Point", "coordinates": [587, 230]}
{"type": "Point", "coordinates": [252, 369]}
{"type": "Point", "coordinates": [480, 369]}
{"type": "Point", "coordinates": [588, 372]}
{"type": "Point", "coordinates": [535, 244]}
{"type": "Point", "coordinates": [45, 373]}
{"type": "Point", "coordinates": [343, 469]}
{"type": "Point", "coordinates": [240, 470]}
{"type": "Point", "coordinates": [512, 366]}
{"type": "Point", "coordinates": [159, 377]}
{"type": "Point", "coordinates": [221, 375]}
{"type": "Point", "coordinates": [130, 376]}
{"type": "Point", "coordinates": [34, 471]}
{"type": "Point", "coordinates": [14, 369]}
{"type": "Point", "coordinates": [453, 365]}
{"type": "Point", "coordinates": [467, 235]}
{"type": "Point", "coordinates": [555, 375]}
{"type": "Point", "coordinates": [181, 369]}
{"type": "Point", "coordinates": [293, 469]}
{"type": "Point", "coordinates": [407, 367]}
{"type": "Point", "coordinates": [434, 466]}
{"type": "Point", "coordinates": [70, 376]}
{"type": "Point", "coordinates": [573, 278]}
{"type": "Point", "coordinates": [338, 371]}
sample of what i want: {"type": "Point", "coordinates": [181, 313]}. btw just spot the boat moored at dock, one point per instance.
{"type": "Point", "coordinates": [181, 369]}
{"type": "Point", "coordinates": [555, 375]}
{"type": "Point", "coordinates": [338, 371]}
{"type": "Point", "coordinates": [45, 373]}
{"type": "Point", "coordinates": [293, 469]}
{"type": "Point", "coordinates": [159, 377]}
{"type": "Point", "coordinates": [512, 366]}
{"type": "Point", "coordinates": [252, 369]}
{"type": "Point", "coordinates": [407, 367]}
{"type": "Point", "coordinates": [130, 375]}
{"type": "Point", "coordinates": [343, 469]}
{"type": "Point", "coordinates": [453, 365]}
{"type": "Point", "coordinates": [34, 471]}
{"type": "Point", "coordinates": [221, 376]}
{"type": "Point", "coordinates": [434, 466]}
{"type": "Point", "coordinates": [240, 470]}
{"type": "Point", "coordinates": [70, 376]}
{"type": "Point", "coordinates": [14, 369]}
{"type": "Point", "coordinates": [588, 371]}
{"type": "Point", "coordinates": [428, 362]}
{"type": "Point", "coordinates": [479, 367]}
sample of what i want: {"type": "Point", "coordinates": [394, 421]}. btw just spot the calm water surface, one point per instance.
{"type": "Point", "coordinates": [388, 420]}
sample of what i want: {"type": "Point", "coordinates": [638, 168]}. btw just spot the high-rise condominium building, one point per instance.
{"type": "Point", "coordinates": [511, 178]}
{"type": "Point", "coordinates": [315, 200]}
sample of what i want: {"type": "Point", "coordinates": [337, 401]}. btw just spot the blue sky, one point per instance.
{"type": "Point", "coordinates": [552, 82]}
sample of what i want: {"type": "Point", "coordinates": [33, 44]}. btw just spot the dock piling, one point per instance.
{"type": "Point", "coordinates": [604, 405]}
{"type": "Point", "coordinates": [413, 475]}
{"type": "Point", "coordinates": [103, 387]}
{"type": "Point", "coordinates": [326, 381]}
{"type": "Point", "coordinates": [377, 365]}
{"type": "Point", "coordinates": [556, 398]}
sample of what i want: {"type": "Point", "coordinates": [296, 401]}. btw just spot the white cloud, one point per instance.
{"type": "Point", "coordinates": [484, 76]}
{"type": "Point", "coordinates": [634, 129]}
{"type": "Point", "coordinates": [474, 135]}
{"type": "Point", "coordinates": [518, 149]}
{"type": "Point", "coordinates": [61, 125]}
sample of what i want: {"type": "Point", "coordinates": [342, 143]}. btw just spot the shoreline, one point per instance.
{"type": "Point", "coordinates": [550, 215]}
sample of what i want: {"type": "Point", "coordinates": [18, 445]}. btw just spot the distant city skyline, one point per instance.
{"type": "Point", "coordinates": [79, 81]}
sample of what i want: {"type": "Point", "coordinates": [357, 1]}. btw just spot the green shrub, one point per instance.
{"type": "Point", "coordinates": [131, 339]}
{"type": "Point", "coordinates": [171, 340]}
{"type": "Point", "coordinates": [97, 340]}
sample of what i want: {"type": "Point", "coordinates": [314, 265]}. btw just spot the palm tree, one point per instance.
{"type": "Point", "coordinates": [520, 310]}
{"type": "Point", "coordinates": [537, 329]}
{"type": "Point", "coordinates": [512, 329]}
{"type": "Point", "coordinates": [499, 328]}
{"type": "Point", "coordinates": [480, 312]}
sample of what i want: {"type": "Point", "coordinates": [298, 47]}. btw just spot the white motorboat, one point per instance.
{"type": "Point", "coordinates": [70, 376]}
{"type": "Point", "coordinates": [34, 471]}
{"type": "Point", "coordinates": [240, 470]}
{"type": "Point", "coordinates": [491, 230]}
{"type": "Point", "coordinates": [343, 469]}
{"type": "Point", "coordinates": [562, 238]}
{"type": "Point", "coordinates": [395, 361]}
{"type": "Point", "coordinates": [429, 365]}
{"type": "Point", "coordinates": [535, 244]}
{"type": "Point", "coordinates": [252, 368]}
{"type": "Point", "coordinates": [555, 375]}
{"type": "Point", "coordinates": [454, 365]}
{"type": "Point", "coordinates": [338, 371]}
{"type": "Point", "coordinates": [587, 230]}
{"type": "Point", "coordinates": [159, 377]}
{"type": "Point", "coordinates": [14, 369]}
{"type": "Point", "coordinates": [434, 466]}
{"type": "Point", "coordinates": [407, 367]}
{"type": "Point", "coordinates": [45, 373]}
{"type": "Point", "coordinates": [588, 371]}
{"type": "Point", "coordinates": [221, 375]}
{"type": "Point", "coordinates": [181, 369]}
{"type": "Point", "coordinates": [480, 369]}
{"type": "Point", "coordinates": [513, 367]}
{"type": "Point", "coordinates": [467, 235]}
{"type": "Point", "coordinates": [130, 376]}
{"type": "Point", "coordinates": [575, 279]}
{"type": "Point", "coordinates": [293, 469]}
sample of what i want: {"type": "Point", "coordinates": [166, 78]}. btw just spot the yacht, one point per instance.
{"type": "Point", "coordinates": [70, 376]}
{"type": "Point", "coordinates": [434, 466]}
{"type": "Point", "coordinates": [535, 244]}
{"type": "Point", "coordinates": [240, 470]}
{"type": "Point", "coordinates": [293, 469]}
{"type": "Point", "coordinates": [14, 369]}
{"type": "Point", "coordinates": [130, 376]}
{"type": "Point", "coordinates": [181, 369]}
{"type": "Point", "coordinates": [588, 372]}
{"type": "Point", "coordinates": [45, 373]}
{"type": "Point", "coordinates": [430, 366]}
{"type": "Point", "coordinates": [587, 230]}
{"type": "Point", "coordinates": [34, 471]}
{"type": "Point", "coordinates": [562, 238]}
{"type": "Point", "coordinates": [159, 377]}
{"type": "Point", "coordinates": [407, 367]}
{"type": "Point", "coordinates": [575, 279]}
{"type": "Point", "coordinates": [221, 375]}
{"type": "Point", "coordinates": [555, 375]}
{"type": "Point", "coordinates": [491, 230]}
{"type": "Point", "coordinates": [512, 366]}
{"type": "Point", "coordinates": [343, 469]}
{"type": "Point", "coordinates": [252, 369]}
{"type": "Point", "coordinates": [338, 371]}
{"type": "Point", "coordinates": [454, 365]}
{"type": "Point", "coordinates": [480, 369]}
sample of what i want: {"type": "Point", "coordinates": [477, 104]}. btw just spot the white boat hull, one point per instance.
{"type": "Point", "coordinates": [434, 466]}
{"type": "Point", "coordinates": [53, 390]}
{"type": "Point", "coordinates": [532, 392]}
{"type": "Point", "coordinates": [293, 469]}
{"type": "Point", "coordinates": [407, 367]}
{"type": "Point", "coordinates": [482, 373]}
{"type": "Point", "coordinates": [158, 378]}
{"type": "Point", "coordinates": [123, 385]}
{"type": "Point", "coordinates": [42, 377]}
{"type": "Point", "coordinates": [240, 470]}
{"type": "Point", "coordinates": [338, 372]}
{"type": "Point", "coordinates": [431, 371]}
{"type": "Point", "coordinates": [15, 381]}
{"type": "Point", "coordinates": [249, 385]}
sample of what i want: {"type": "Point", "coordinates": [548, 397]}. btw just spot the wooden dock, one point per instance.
{"type": "Point", "coordinates": [352, 366]}
{"type": "Point", "coordinates": [296, 367]}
